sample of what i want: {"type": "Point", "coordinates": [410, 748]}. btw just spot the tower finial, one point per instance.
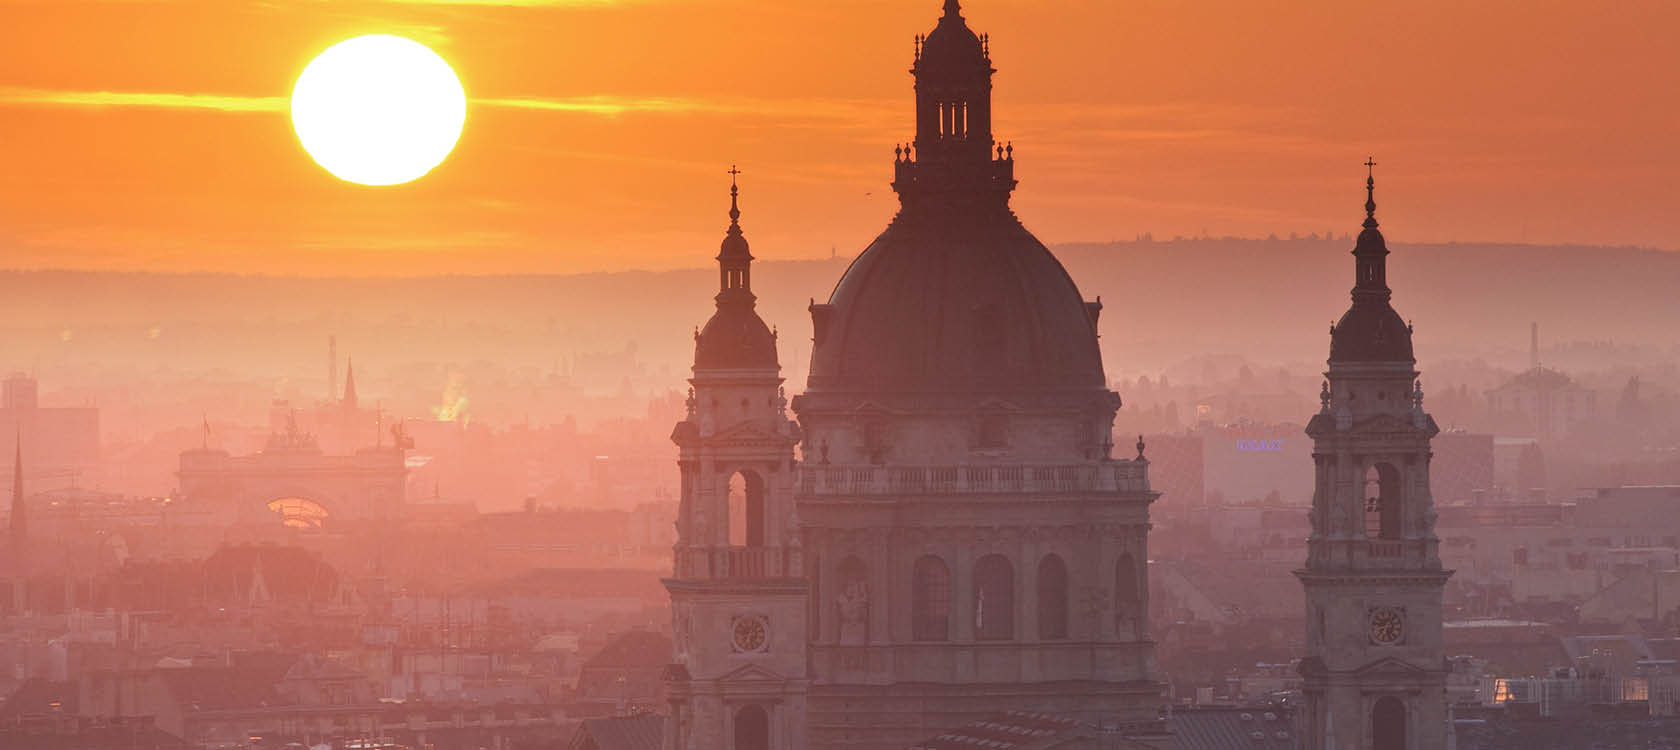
{"type": "Point", "coordinates": [1370, 193]}
{"type": "Point", "coordinates": [734, 193]}
{"type": "Point", "coordinates": [953, 8]}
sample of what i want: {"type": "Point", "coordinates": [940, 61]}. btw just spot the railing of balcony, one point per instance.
{"type": "Point", "coordinates": [731, 562]}
{"type": "Point", "coordinates": [1109, 476]}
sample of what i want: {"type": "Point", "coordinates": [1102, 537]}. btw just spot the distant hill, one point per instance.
{"type": "Point", "coordinates": [1270, 300]}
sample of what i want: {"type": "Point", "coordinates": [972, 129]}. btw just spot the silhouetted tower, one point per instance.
{"type": "Point", "coordinates": [1374, 677]}
{"type": "Point", "coordinates": [1534, 346]}
{"type": "Point", "coordinates": [349, 401]}
{"type": "Point", "coordinates": [738, 595]}
{"type": "Point", "coordinates": [20, 518]}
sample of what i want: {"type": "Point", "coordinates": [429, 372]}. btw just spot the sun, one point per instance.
{"type": "Point", "coordinates": [378, 109]}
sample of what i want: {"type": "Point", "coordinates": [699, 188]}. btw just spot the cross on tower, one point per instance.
{"type": "Point", "coordinates": [733, 171]}
{"type": "Point", "coordinates": [1370, 167]}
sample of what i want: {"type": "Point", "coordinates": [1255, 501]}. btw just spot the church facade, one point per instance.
{"type": "Point", "coordinates": [956, 536]}
{"type": "Point", "coordinates": [1374, 676]}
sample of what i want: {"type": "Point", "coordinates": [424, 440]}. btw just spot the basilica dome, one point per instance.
{"type": "Point", "coordinates": [940, 302]}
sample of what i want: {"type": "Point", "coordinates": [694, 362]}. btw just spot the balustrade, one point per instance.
{"type": "Point", "coordinates": [1112, 476]}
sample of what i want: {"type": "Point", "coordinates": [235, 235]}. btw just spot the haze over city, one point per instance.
{"type": "Point", "coordinates": [689, 375]}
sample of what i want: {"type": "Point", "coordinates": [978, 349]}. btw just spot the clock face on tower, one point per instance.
{"type": "Point", "coordinates": [1388, 625]}
{"type": "Point", "coordinates": [750, 634]}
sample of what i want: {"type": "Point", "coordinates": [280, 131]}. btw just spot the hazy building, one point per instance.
{"type": "Point", "coordinates": [1463, 467]}
{"type": "Point", "coordinates": [1541, 403]}
{"type": "Point", "coordinates": [1374, 676]}
{"type": "Point", "coordinates": [291, 482]}
{"type": "Point", "coordinates": [1249, 462]}
{"type": "Point", "coordinates": [60, 444]}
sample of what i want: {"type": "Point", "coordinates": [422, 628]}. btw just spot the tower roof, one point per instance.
{"type": "Point", "coordinates": [735, 338]}
{"type": "Point", "coordinates": [1371, 330]}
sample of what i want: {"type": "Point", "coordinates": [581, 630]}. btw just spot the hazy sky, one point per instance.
{"type": "Point", "coordinates": [153, 134]}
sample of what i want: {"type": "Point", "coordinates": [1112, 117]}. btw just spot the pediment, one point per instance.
{"type": "Point", "coordinates": [1385, 423]}
{"type": "Point", "coordinates": [752, 673]}
{"type": "Point", "coordinates": [1389, 666]}
{"type": "Point", "coordinates": [745, 432]}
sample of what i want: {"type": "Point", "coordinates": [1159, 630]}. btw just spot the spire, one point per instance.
{"type": "Point", "coordinates": [1370, 193]}
{"type": "Point", "coordinates": [953, 8]}
{"type": "Point", "coordinates": [20, 522]}
{"type": "Point", "coordinates": [1370, 267]}
{"type": "Point", "coordinates": [350, 384]}
{"type": "Point", "coordinates": [734, 201]}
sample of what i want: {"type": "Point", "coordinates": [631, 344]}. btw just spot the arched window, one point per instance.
{"type": "Point", "coordinates": [746, 510]}
{"type": "Point", "coordinates": [930, 600]}
{"type": "Point", "coordinates": [1127, 602]}
{"type": "Point", "coordinates": [1382, 502]}
{"type": "Point", "coordinates": [299, 513]}
{"type": "Point", "coordinates": [1052, 599]}
{"type": "Point", "coordinates": [994, 599]}
{"type": "Point", "coordinates": [1388, 724]}
{"type": "Point", "coordinates": [752, 728]}
{"type": "Point", "coordinates": [851, 603]}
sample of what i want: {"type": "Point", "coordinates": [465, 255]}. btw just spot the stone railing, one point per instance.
{"type": "Point", "coordinates": [1378, 554]}
{"type": "Point", "coordinates": [1107, 476]}
{"type": "Point", "coordinates": [732, 562]}
{"type": "Point", "coordinates": [1377, 549]}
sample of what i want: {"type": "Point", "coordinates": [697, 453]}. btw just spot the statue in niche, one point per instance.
{"type": "Point", "coordinates": [853, 607]}
{"type": "Point", "coordinates": [1338, 518]}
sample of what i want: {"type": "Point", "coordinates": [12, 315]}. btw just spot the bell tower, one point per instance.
{"type": "Point", "coordinates": [738, 592]}
{"type": "Point", "coordinates": [1374, 675]}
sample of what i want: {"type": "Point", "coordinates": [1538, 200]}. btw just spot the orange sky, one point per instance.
{"type": "Point", "coordinates": [151, 134]}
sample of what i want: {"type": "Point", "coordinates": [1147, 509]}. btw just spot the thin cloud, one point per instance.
{"type": "Point", "coordinates": [520, 3]}
{"type": "Point", "coordinates": [601, 105]}
{"type": "Point", "coordinates": [140, 100]}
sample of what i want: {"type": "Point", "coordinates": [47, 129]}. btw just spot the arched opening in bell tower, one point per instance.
{"type": "Point", "coordinates": [1383, 502]}
{"type": "Point", "coordinates": [746, 509]}
{"type": "Point", "coordinates": [752, 728]}
{"type": "Point", "coordinates": [1388, 724]}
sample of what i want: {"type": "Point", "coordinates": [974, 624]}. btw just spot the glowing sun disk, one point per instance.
{"type": "Point", "coordinates": [378, 109]}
